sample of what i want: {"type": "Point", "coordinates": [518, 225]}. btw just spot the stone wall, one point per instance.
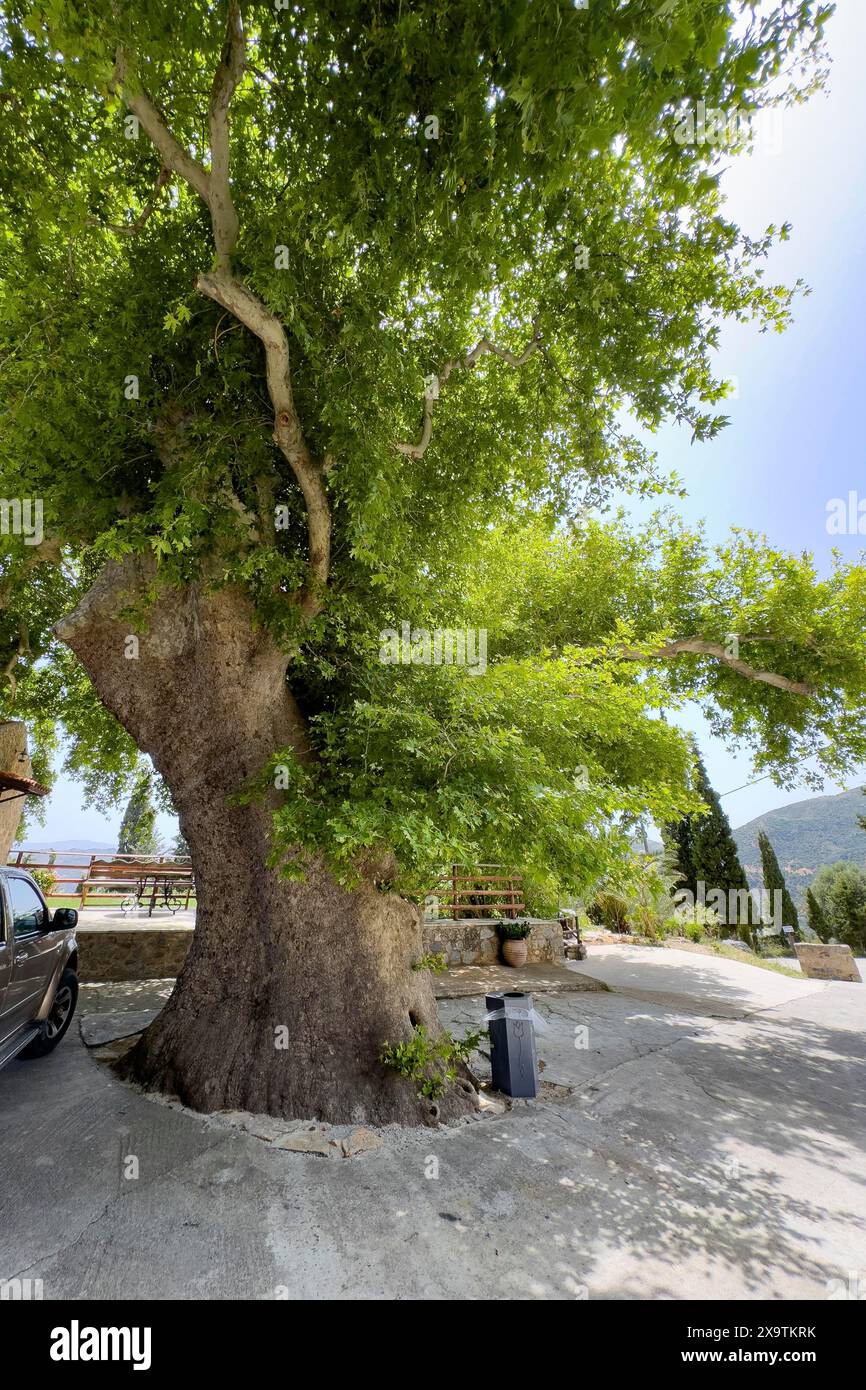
{"type": "Point", "coordinates": [131, 953]}
{"type": "Point", "coordinates": [157, 953]}
{"type": "Point", "coordinates": [468, 942]}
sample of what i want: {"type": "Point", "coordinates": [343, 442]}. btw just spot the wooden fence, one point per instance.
{"type": "Point", "coordinates": [474, 890]}
{"type": "Point", "coordinates": [477, 890]}
{"type": "Point", "coordinates": [104, 876]}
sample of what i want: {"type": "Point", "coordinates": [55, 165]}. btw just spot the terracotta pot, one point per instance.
{"type": "Point", "coordinates": [515, 952]}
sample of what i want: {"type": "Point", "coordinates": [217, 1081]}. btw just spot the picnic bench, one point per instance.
{"type": "Point", "coordinates": [159, 883]}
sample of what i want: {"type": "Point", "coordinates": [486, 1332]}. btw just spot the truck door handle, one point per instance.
{"type": "Point", "coordinates": [21, 958]}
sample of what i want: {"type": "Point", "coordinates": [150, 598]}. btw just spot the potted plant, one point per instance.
{"type": "Point", "coordinates": [514, 946]}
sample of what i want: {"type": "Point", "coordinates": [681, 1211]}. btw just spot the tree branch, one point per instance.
{"type": "Point", "coordinates": [134, 227]}
{"type": "Point", "coordinates": [226, 289]}
{"type": "Point", "coordinates": [482, 348]}
{"type": "Point", "coordinates": [140, 104]}
{"type": "Point", "coordinates": [48, 550]}
{"type": "Point", "coordinates": [229, 292]}
{"type": "Point", "coordinates": [696, 646]}
{"type": "Point", "coordinates": [226, 78]}
{"type": "Point", "coordinates": [21, 650]}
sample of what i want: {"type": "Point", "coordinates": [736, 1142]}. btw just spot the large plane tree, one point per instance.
{"type": "Point", "coordinates": [321, 318]}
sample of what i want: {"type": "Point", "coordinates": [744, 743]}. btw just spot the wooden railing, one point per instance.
{"type": "Point", "coordinates": [477, 890]}
{"type": "Point", "coordinates": [156, 882]}
{"type": "Point", "coordinates": [86, 874]}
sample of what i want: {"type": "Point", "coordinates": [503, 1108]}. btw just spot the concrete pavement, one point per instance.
{"type": "Point", "coordinates": [673, 1154]}
{"type": "Point", "coordinates": [700, 982]}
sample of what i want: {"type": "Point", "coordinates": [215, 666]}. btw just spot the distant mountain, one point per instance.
{"type": "Point", "coordinates": [806, 835]}
{"type": "Point", "coordinates": [650, 847]}
{"type": "Point", "coordinates": [91, 845]}
{"type": "Point", "coordinates": [67, 852]}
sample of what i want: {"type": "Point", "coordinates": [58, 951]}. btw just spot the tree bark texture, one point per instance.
{"type": "Point", "coordinates": [13, 758]}
{"type": "Point", "coordinates": [323, 968]}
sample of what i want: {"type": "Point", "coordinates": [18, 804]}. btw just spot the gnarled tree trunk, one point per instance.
{"type": "Point", "coordinates": [326, 969]}
{"type": "Point", "coordinates": [13, 758]}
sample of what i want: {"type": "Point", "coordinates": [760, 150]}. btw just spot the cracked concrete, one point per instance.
{"type": "Point", "coordinates": [672, 1154]}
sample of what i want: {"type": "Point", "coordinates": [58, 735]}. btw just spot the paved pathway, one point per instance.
{"type": "Point", "coordinates": [672, 1154]}
{"type": "Point", "coordinates": [488, 979]}
{"type": "Point", "coordinates": [714, 983]}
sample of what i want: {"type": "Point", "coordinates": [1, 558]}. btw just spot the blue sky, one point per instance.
{"type": "Point", "coordinates": [796, 435]}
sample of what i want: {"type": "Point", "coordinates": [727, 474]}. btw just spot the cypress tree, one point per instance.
{"type": "Point", "coordinates": [138, 827]}
{"type": "Point", "coordinates": [677, 840]}
{"type": "Point", "coordinates": [715, 860]}
{"type": "Point", "coordinates": [817, 920]}
{"type": "Point", "coordinates": [774, 880]}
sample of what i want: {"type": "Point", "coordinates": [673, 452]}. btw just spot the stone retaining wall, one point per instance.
{"type": "Point", "coordinates": [477, 942]}
{"type": "Point", "coordinates": [157, 953]}
{"type": "Point", "coordinates": [131, 953]}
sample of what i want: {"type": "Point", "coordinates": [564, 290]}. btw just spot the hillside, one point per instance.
{"type": "Point", "coordinates": [806, 835]}
{"type": "Point", "coordinates": [69, 853]}
{"type": "Point", "coordinates": [88, 845]}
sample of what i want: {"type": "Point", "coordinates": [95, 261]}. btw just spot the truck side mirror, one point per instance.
{"type": "Point", "coordinates": [64, 917]}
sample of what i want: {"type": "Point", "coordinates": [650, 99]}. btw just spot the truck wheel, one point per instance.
{"type": "Point", "coordinates": [58, 1020]}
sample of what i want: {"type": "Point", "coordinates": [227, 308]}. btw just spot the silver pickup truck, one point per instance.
{"type": "Point", "coordinates": [38, 969]}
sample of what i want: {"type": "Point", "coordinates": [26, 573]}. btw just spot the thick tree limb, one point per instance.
{"type": "Point", "coordinates": [224, 289]}
{"type": "Point", "coordinates": [174, 157]}
{"type": "Point", "coordinates": [21, 650]}
{"type": "Point", "coordinates": [47, 552]}
{"type": "Point", "coordinates": [696, 646]}
{"type": "Point", "coordinates": [482, 348]}
{"type": "Point", "coordinates": [228, 290]}
{"type": "Point", "coordinates": [226, 78]}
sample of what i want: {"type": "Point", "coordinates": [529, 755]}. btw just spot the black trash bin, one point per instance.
{"type": "Point", "coordinates": [512, 1045]}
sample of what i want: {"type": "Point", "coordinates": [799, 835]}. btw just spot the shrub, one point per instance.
{"type": "Point", "coordinates": [46, 878]}
{"type": "Point", "coordinates": [693, 931]}
{"type": "Point", "coordinates": [542, 896]}
{"type": "Point", "coordinates": [609, 910]}
{"type": "Point", "coordinates": [434, 961]}
{"type": "Point", "coordinates": [840, 892]}
{"type": "Point", "coordinates": [517, 929]}
{"type": "Point", "coordinates": [705, 919]}
{"type": "Point", "coordinates": [647, 923]}
{"type": "Point", "coordinates": [430, 1065]}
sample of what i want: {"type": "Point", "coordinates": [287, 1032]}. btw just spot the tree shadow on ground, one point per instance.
{"type": "Point", "coordinates": [695, 1157]}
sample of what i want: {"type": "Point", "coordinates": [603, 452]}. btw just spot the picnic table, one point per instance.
{"type": "Point", "coordinates": [159, 884]}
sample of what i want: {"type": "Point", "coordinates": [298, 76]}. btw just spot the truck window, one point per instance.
{"type": "Point", "coordinates": [28, 914]}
